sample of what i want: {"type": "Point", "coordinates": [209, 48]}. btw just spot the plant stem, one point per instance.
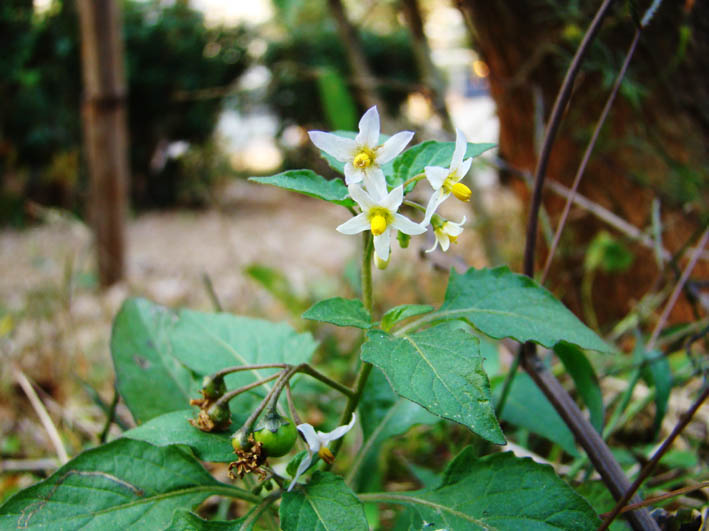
{"type": "Point", "coordinates": [366, 368]}
{"type": "Point", "coordinates": [231, 394]}
{"type": "Point", "coordinates": [414, 204]}
{"type": "Point", "coordinates": [587, 154]}
{"type": "Point", "coordinates": [650, 465]}
{"type": "Point", "coordinates": [237, 368]}
{"type": "Point", "coordinates": [367, 270]}
{"type": "Point", "coordinates": [283, 377]}
{"type": "Point", "coordinates": [507, 385]}
{"type": "Point", "coordinates": [307, 369]}
{"type": "Point", "coordinates": [109, 416]}
{"type": "Point", "coordinates": [414, 179]}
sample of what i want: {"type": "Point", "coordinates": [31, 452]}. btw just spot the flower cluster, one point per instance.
{"type": "Point", "coordinates": [367, 185]}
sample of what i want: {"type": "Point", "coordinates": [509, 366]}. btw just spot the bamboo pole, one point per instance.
{"type": "Point", "coordinates": [105, 131]}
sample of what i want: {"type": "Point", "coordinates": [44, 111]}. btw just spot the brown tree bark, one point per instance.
{"type": "Point", "coordinates": [105, 132]}
{"type": "Point", "coordinates": [652, 147]}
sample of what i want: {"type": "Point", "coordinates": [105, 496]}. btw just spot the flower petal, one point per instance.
{"type": "Point", "coordinates": [407, 226]}
{"type": "Point", "coordinates": [311, 438]}
{"type": "Point", "coordinates": [339, 147]}
{"type": "Point", "coordinates": [368, 129]}
{"type": "Point", "coordinates": [393, 200]}
{"type": "Point", "coordinates": [436, 176]}
{"type": "Point", "coordinates": [464, 168]}
{"type": "Point", "coordinates": [364, 200]}
{"type": "Point", "coordinates": [354, 225]}
{"type": "Point", "coordinates": [375, 182]}
{"type": "Point", "coordinates": [393, 146]}
{"type": "Point", "coordinates": [435, 243]}
{"type": "Point", "coordinates": [353, 175]}
{"type": "Point", "coordinates": [338, 432]}
{"type": "Point", "coordinates": [445, 241]}
{"type": "Point", "coordinates": [454, 229]}
{"type": "Point", "coordinates": [382, 245]}
{"type": "Point", "coordinates": [436, 199]}
{"type": "Point", "coordinates": [302, 467]}
{"type": "Point", "coordinates": [459, 152]}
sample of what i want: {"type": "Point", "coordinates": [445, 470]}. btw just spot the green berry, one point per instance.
{"type": "Point", "coordinates": [276, 434]}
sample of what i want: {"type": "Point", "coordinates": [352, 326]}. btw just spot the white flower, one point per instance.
{"type": "Point", "coordinates": [380, 216]}
{"type": "Point", "coordinates": [317, 444]}
{"type": "Point", "coordinates": [445, 233]}
{"type": "Point", "coordinates": [446, 181]}
{"type": "Point", "coordinates": [363, 156]}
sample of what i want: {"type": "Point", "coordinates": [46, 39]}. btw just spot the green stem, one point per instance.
{"type": "Point", "coordinates": [366, 368]}
{"type": "Point", "coordinates": [237, 368]}
{"type": "Point", "coordinates": [307, 369]}
{"type": "Point", "coordinates": [367, 270]}
{"type": "Point", "coordinates": [231, 394]}
{"type": "Point", "coordinates": [415, 205]}
{"type": "Point", "coordinates": [507, 386]}
{"type": "Point", "coordinates": [414, 179]}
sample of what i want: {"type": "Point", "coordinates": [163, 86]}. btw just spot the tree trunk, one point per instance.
{"type": "Point", "coordinates": [653, 145]}
{"type": "Point", "coordinates": [105, 134]}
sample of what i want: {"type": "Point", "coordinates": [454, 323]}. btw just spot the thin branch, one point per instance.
{"type": "Point", "coordinates": [211, 293]}
{"type": "Point", "coordinates": [231, 394]}
{"type": "Point", "coordinates": [587, 154]}
{"type": "Point", "coordinates": [661, 497]}
{"type": "Point", "coordinates": [602, 213]}
{"type": "Point", "coordinates": [554, 122]}
{"type": "Point", "coordinates": [237, 368]}
{"type": "Point", "coordinates": [291, 405]}
{"type": "Point", "coordinates": [43, 415]}
{"type": "Point", "coordinates": [678, 289]}
{"type": "Point", "coordinates": [307, 369]}
{"type": "Point", "coordinates": [110, 415]}
{"type": "Point", "coordinates": [650, 465]}
{"type": "Point", "coordinates": [28, 465]}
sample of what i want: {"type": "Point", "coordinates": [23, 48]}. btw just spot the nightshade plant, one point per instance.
{"type": "Point", "coordinates": [418, 365]}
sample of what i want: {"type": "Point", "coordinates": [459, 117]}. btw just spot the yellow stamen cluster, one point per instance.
{"type": "Point", "coordinates": [459, 190]}
{"type": "Point", "coordinates": [326, 455]}
{"type": "Point", "coordinates": [462, 192]}
{"type": "Point", "coordinates": [378, 224]}
{"type": "Point", "coordinates": [363, 159]}
{"type": "Point", "coordinates": [379, 219]}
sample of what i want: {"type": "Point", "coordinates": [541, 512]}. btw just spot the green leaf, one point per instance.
{"type": "Point", "coordinates": [441, 369]}
{"type": "Point", "coordinates": [309, 183]}
{"type": "Point", "coordinates": [383, 415]}
{"type": "Point", "coordinates": [413, 161]}
{"type": "Point", "coordinates": [335, 98]}
{"type": "Point", "coordinates": [501, 303]}
{"type": "Point", "coordinates": [597, 495]}
{"type": "Point", "coordinates": [528, 408]}
{"type": "Point", "coordinates": [278, 285]}
{"type": "Point", "coordinates": [121, 485]}
{"type": "Point", "coordinates": [174, 428]}
{"type": "Point", "coordinates": [184, 520]}
{"type": "Point", "coordinates": [324, 503]}
{"type": "Point", "coordinates": [208, 342]}
{"type": "Point", "coordinates": [585, 379]}
{"type": "Point", "coordinates": [607, 254]}
{"type": "Point", "coordinates": [658, 374]}
{"type": "Point", "coordinates": [399, 313]}
{"type": "Point", "coordinates": [498, 492]}
{"type": "Point", "coordinates": [340, 312]}
{"type": "Point", "coordinates": [148, 377]}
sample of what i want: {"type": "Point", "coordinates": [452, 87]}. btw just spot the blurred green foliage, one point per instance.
{"type": "Point", "coordinates": [170, 57]}
{"type": "Point", "coordinates": [298, 61]}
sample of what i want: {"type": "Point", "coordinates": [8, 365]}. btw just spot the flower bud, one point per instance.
{"type": "Point", "coordinates": [462, 192]}
{"type": "Point", "coordinates": [213, 388]}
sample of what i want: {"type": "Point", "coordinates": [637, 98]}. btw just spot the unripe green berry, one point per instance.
{"type": "Point", "coordinates": [213, 388]}
{"type": "Point", "coordinates": [276, 434]}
